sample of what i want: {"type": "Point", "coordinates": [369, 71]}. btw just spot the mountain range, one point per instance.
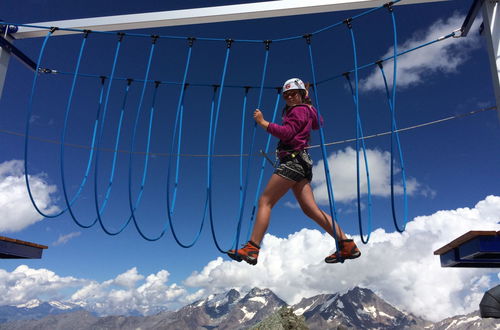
{"type": "Point", "coordinates": [359, 308]}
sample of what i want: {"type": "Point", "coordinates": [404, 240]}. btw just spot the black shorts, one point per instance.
{"type": "Point", "coordinates": [295, 168]}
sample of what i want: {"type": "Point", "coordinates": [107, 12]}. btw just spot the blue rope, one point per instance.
{"type": "Point", "coordinates": [250, 151]}
{"type": "Point", "coordinates": [369, 11]}
{"type": "Point", "coordinates": [242, 136]}
{"type": "Point", "coordinates": [320, 82]}
{"type": "Point", "coordinates": [178, 123]}
{"type": "Point", "coordinates": [63, 140]}
{"type": "Point", "coordinates": [211, 147]}
{"type": "Point", "coordinates": [27, 131]}
{"type": "Point", "coordinates": [360, 137]}
{"type": "Point", "coordinates": [331, 197]}
{"type": "Point", "coordinates": [133, 206]}
{"type": "Point", "coordinates": [262, 167]}
{"type": "Point", "coordinates": [395, 135]}
{"type": "Point", "coordinates": [100, 209]}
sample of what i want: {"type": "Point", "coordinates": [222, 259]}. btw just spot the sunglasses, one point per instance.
{"type": "Point", "coordinates": [291, 93]}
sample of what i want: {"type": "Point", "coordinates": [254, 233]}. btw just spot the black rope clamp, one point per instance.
{"type": "Point", "coordinates": [103, 79]}
{"type": "Point", "coordinates": [53, 29]}
{"type": "Point", "coordinates": [247, 88]}
{"type": "Point", "coordinates": [45, 70]}
{"type": "Point", "coordinates": [191, 41]}
{"type": "Point", "coordinates": [154, 38]}
{"type": "Point", "coordinates": [229, 42]}
{"type": "Point", "coordinates": [186, 85]}
{"type": "Point", "coordinates": [379, 63]}
{"type": "Point", "coordinates": [348, 22]}
{"type": "Point", "coordinates": [308, 38]}
{"type": "Point", "coordinates": [157, 83]}
{"type": "Point", "coordinates": [346, 75]}
{"type": "Point", "coordinates": [215, 86]}
{"type": "Point", "coordinates": [129, 81]}
{"type": "Point", "coordinates": [267, 43]}
{"type": "Point", "coordinates": [279, 89]}
{"type": "Point", "coordinates": [86, 33]}
{"type": "Point", "coordinates": [8, 28]}
{"type": "Point", "coordinates": [120, 36]}
{"type": "Point", "coordinates": [389, 6]}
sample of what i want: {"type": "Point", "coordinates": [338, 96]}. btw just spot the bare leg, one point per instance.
{"type": "Point", "coordinates": [304, 195]}
{"type": "Point", "coordinates": [275, 189]}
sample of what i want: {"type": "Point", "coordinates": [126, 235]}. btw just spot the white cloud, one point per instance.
{"type": "Point", "coordinates": [343, 168]}
{"type": "Point", "coordinates": [401, 268]}
{"type": "Point", "coordinates": [16, 210]}
{"type": "Point", "coordinates": [122, 295]}
{"type": "Point", "coordinates": [128, 292]}
{"type": "Point", "coordinates": [413, 68]}
{"type": "Point", "coordinates": [24, 284]}
{"type": "Point", "coordinates": [63, 239]}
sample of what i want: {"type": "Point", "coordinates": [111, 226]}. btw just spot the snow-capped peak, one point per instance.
{"type": "Point", "coordinates": [33, 303]}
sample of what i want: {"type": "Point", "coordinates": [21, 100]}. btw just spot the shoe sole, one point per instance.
{"type": "Point", "coordinates": [334, 261]}
{"type": "Point", "coordinates": [239, 258]}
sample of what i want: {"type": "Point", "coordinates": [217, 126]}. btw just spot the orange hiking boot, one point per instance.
{"type": "Point", "coordinates": [249, 253]}
{"type": "Point", "coordinates": [348, 250]}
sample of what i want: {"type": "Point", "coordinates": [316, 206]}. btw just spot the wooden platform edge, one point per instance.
{"type": "Point", "coordinates": [12, 240]}
{"type": "Point", "coordinates": [465, 238]}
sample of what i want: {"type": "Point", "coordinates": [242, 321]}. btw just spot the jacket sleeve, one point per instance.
{"type": "Point", "coordinates": [292, 124]}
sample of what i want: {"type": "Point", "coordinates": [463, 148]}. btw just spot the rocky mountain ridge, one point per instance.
{"type": "Point", "coordinates": [359, 308]}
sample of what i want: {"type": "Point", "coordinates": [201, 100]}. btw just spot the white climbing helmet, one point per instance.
{"type": "Point", "coordinates": [293, 83]}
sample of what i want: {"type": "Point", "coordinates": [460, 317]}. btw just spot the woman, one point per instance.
{"type": "Point", "coordinates": [294, 172]}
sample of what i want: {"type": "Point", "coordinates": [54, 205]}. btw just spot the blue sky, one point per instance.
{"type": "Point", "coordinates": [451, 167]}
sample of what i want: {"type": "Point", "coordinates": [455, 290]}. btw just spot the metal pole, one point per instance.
{"type": "Point", "coordinates": [205, 15]}
{"type": "Point", "coordinates": [491, 18]}
{"type": "Point", "coordinates": [4, 63]}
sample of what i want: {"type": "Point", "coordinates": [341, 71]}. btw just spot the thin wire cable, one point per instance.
{"type": "Point", "coordinates": [320, 82]}
{"type": "Point", "coordinates": [366, 12]}
{"type": "Point", "coordinates": [163, 154]}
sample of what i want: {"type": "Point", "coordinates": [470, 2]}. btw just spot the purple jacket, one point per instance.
{"type": "Point", "coordinates": [296, 128]}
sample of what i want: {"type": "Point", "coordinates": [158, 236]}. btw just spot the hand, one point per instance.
{"type": "Point", "coordinates": [258, 116]}
{"type": "Point", "coordinates": [259, 119]}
